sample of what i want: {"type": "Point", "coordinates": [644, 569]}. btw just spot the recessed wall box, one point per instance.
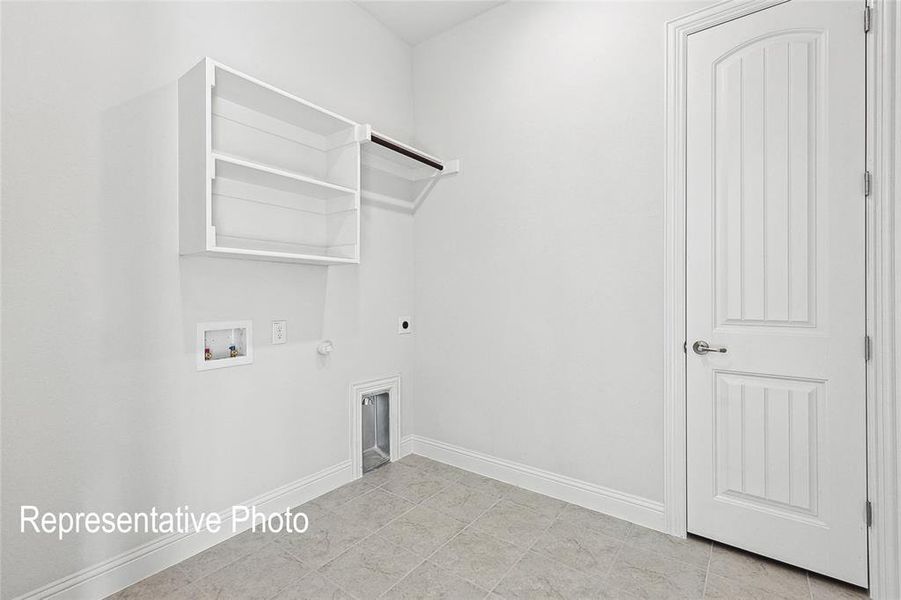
{"type": "Point", "coordinates": [224, 344]}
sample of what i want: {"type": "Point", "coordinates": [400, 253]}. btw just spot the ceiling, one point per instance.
{"type": "Point", "coordinates": [416, 21]}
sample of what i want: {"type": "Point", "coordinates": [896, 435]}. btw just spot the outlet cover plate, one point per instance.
{"type": "Point", "coordinates": [279, 332]}
{"type": "Point", "coordinates": [404, 325]}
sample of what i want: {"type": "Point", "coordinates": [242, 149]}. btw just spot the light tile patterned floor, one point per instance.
{"type": "Point", "coordinates": [422, 529]}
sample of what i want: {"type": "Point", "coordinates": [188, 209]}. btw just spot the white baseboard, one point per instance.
{"type": "Point", "coordinates": [642, 511]}
{"type": "Point", "coordinates": [406, 446]}
{"type": "Point", "coordinates": [134, 565]}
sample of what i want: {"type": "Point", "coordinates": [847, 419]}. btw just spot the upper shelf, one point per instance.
{"type": "Point", "coordinates": [397, 174]}
{"type": "Point", "coordinates": [251, 92]}
{"type": "Point", "coordinates": [402, 160]}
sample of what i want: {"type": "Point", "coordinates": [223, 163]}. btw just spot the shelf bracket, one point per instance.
{"type": "Point", "coordinates": [423, 193]}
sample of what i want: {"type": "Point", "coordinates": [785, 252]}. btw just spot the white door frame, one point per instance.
{"type": "Point", "coordinates": [883, 258]}
{"type": "Point", "coordinates": [392, 386]}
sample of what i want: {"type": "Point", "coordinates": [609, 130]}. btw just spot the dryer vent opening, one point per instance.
{"type": "Point", "coordinates": [376, 431]}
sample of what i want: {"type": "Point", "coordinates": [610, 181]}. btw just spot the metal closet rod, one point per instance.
{"type": "Point", "coordinates": [408, 153]}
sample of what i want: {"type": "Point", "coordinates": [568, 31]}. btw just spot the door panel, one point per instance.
{"type": "Point", "coordinates": [776, 274]}
{"type": "Point", "coordinates": [766, 447]}
{"type": "Point", "coordinates": [765, 99]}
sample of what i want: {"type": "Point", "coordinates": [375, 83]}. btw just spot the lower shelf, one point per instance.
{"type": "Point", "coordinates": [271, 256]}
{"type": "Point", "coordinates": [283, 247]}
{"type": "Point", "coordinates": [250, 220]}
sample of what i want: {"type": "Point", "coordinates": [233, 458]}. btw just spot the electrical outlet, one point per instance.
{"type": "Point", "coordinates": [404, 325]}
{"type": "Point", "coordinates": [279, 332]}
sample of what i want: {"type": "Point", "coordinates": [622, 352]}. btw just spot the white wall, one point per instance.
{"type": "Point", "coordinates": [102, 407]}
{"type": "Point", "coordinates": [539, 268]}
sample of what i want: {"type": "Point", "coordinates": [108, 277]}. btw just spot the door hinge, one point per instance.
{"type": "Point", "coordinates": [867, 183]}
{"type": "Point", "coordinates": [869, 511]}
{"type": "Point", "coordinates": [867, 348]}
{"type": "Point", "coordinates": [684, 347]}
{"type": "Point", "coordinates": [867, 15]}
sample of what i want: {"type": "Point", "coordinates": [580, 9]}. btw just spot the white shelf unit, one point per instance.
{"type": "Point", "coordinates": [264, 174]}
{"type": "Point", "coordinates": [397, 174]}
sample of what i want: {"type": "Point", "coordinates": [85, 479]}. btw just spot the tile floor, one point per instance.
{"type": "Point", "coordinates": [422, 529]}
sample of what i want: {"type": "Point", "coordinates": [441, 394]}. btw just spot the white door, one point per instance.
{"type": "Point", "coordinates": [776, 276]}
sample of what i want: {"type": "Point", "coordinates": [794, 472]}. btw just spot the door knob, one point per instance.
{"type": "Point", "coordinates": [702, 347]}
